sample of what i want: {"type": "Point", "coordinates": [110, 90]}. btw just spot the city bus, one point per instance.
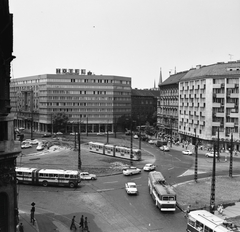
{"type": "Point", "coordinates": [45, 177]}
{"type": "Point", "coordinates": [162, 193]}
{"type": "Point", "coordinates": [202, 220]}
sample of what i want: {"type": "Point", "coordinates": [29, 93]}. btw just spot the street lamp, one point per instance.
{"type": "Point", "coordinates": [196, 157]}
{"type": "Point", "coordinates": [212, 200]}
{"type": "Point", "coordinates": [79, 146]}
{"type": "Point", "coordinates": [231, 157]}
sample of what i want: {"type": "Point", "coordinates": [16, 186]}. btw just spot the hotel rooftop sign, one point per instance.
{"type": "Point", "coordinates": [71, 71]}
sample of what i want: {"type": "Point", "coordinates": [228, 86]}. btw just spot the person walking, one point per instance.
{"type": "Point", "coordinates": [86, 224]}
{"type": "Point", "coordinates": [73, 224]}
{"type": "Point", "coordinates": [20, 228]}
{"type": "Point", "coordinates": [32, 213]}
{"type": "Point", "coordinates": [81, 223]}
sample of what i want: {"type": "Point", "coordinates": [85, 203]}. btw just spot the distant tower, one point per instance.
{"type": "Point", "coordinates": [160, 78]}
{"type": "Point", "coordinates": [154, 87]}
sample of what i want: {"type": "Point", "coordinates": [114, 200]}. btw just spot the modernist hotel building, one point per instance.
{"type": "Point", "coordinates": [209, 103]}
{"type": "Point", "coordinates": [96, 101]}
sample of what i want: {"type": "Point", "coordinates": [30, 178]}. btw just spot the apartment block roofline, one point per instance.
{"type": "Point", "coordinates": [175, 78]}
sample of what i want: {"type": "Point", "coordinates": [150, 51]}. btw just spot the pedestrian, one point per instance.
{"type": "Point", "coordinates": [73, 224]}
{"type": "Point", "coordinates": [86, 224]}
{"type": "Point", "coordinates": [21, 229]}
{"type": "Point", "coordinates": [187, 210]}
{"type": "Point", "coordinates": [32, 213]}
{"type": "Point", "coordinates": [81, 223]}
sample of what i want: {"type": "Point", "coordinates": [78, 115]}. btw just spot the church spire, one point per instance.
{"type": "Point", "coordinates": [154, 84]}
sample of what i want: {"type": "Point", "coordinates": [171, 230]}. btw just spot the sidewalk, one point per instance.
{"type": "Point", "coordinates": [24, 218]}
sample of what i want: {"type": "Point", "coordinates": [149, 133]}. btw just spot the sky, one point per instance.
{"type": "Point", "coordinates": [132, 38]}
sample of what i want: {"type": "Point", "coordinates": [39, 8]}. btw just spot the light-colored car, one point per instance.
{"type": "Point", "coordinates": [151, 141]}
{"type": "Point", "coordinates": [135, 136]}
{"type": "Point", "coordinates": [34, 142]}
{"type": "Point", "coordinates": [73, 133]}
{"type": "Point", "coordinates": [187, 152]}
{"type": "Point", "coordinates": [131, 188]}
{"type": "Point", "coordinates": [131, 171]}
{"type": "Point", "coordinates": [109, 132]}
{"type": "Point", "coordinates": [211, 154]}
{"type": "Point", "coordinates": [149, 167]}
{"type": "Point", "coordinates": [87, 176]}
{"type": "Point", "coordinates": [26, 145]}
{"type": "Point", "coordinates": [100, 133]}
{"type": "Point", "coordinates": [164, 148]}
{"type": "Point", "coordinates": [40, 146]}
{"type": "Point", "coordinates": [59, 133]}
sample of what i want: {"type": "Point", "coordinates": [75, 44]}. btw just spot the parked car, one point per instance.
{"type": "Point", "coordinates": [59, 133]}
{"type": "Point", "coordinates": [211, 154]}
{"type": "Point", "coordinates": [135, 136]}
{"type": "Point", "coordinates": [34, 142]}
{"type": "Point", "coordinates": [131, 188]}
{"type": "Point", "coordinates": [26, 145]}
{"type": "Point", "coordinates": [87, 176]}
{"type": "Point", "coordinates": [187, 152]}
{"type": "Point", "coordinates": [100, 133]}
{"type": "Point", "coordinates": [21, 128]}
{"type": "Point", "coordinates": [47, 135]}
{"type": "Point", "coordinates": [151, 141]}
{"type": "Point", "coordinates": [131, 171]}
{"type": "Point", "coordinates": [149, 167]}
{"type": "Point", "coordinates": [73, 133]}
{"type": "Point", "coordinates": [40, 146]}
{"type": "Point", "coordinates": [164, 148]}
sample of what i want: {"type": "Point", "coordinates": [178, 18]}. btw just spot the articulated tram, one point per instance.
{"type": "Point", "coordinates": [115, 151]}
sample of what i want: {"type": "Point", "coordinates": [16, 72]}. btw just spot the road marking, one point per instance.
{"type": "Point", "coordinates": [110, 182]}
{"type": "Point", "coordinates": [136, 178]}
{"type": "Point", "coordinates": [104, 190]}
{"type": "Point", "coordinates": [177, 158]}
{"type": "Point", "coordinates": [171, 168]}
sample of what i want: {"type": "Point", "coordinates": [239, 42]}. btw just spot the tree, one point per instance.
{"type": "Point", "coordinates": [60, 121]}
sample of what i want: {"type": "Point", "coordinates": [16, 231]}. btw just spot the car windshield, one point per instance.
{"type": "Point", "coordinates": [132, 186]}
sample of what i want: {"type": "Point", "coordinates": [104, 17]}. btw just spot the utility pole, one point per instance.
{"type": "Point", "coordinates": [196, 157]}
{"type": "Point", "coordinates": [52, 122]}
{"type": "Point", "coordinates": [87, 126]}
{"type": "Point", "coordinates": [212, 200]}
{"type": "Point", "coordinates": [131, 148]}
{"type": "Point", "coordinates": [107, 136]}
{"type": "Point", "coordinates": [31, 110]}
{"type": "Point", "coordinates": [79, 146]}
{"type": "Point", "coordinates": [231, 157]}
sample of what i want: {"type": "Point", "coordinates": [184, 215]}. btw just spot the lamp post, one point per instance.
{"type": "Point", "coordinates": [231, 157]}
{"type": "Point", "coordinates": [212, 200]}
{"type": "Point", "coordinates": [196, 157]}
{"type": "Point", "coordinates": [131, 148]}
{"type": "Point", "coordinates": [79, 146]}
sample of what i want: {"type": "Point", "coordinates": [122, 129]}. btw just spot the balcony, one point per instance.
{"type": "Point", "coordinates": [234, 95]}
{"type": "Point", "coordinates": [216, 104]}
{"type": "Point", "coordinates": [216, 124]}
{"type": "Point", "coordinates": [234, 115]}
{"type": "Point", "coordinates": [220, 114]}
{"type": "Point", "coordinates": [230, 105]}
{"type": "Point", "coordinates": [216, 86]}
{"type": "Point", "coordinates": [202, 123]}
{"type": "Point", "coordinates": [220, 95]}
{"type": "Point", "coordinates": [230, 124]}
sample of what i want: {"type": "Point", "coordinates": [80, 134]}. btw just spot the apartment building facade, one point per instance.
{"type": "Point", "coordinates": [96, 101]}
{"type": "Point", "coordinates": [167, 112]}
{"type": "Point", "coordinates": [209, 103]}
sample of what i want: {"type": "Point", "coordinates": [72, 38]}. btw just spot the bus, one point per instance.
{"type": "Point", "coordinates": [115, 151]}
{"type": "Point", "coordinates": [202, 220]}
{"type": "Point", "coordinates": [45, 177]}
{"type": "Point", "coordinates": [162, 193]}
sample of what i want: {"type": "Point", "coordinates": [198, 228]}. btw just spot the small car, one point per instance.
{"type": "Point", "coordinates": [131, 171]}
{"type": "Point", "coordinates": [40, 146]}
{"type": "Point", "coordinates": [151, 141]}
{"type": "Point", "coordinates": [47, 135]}
{"type": "Point", "coordinates": [135, 136]}
{"type": "Point", "coordinates": [73, 133]}
{"type": "Point", "coordinates": [100, 133]}
{"type": "Point", "coordinates": [164, 148]}
{"type": "Point", "coordinates": [59, 133]}
{"type": "Point", "coordinates": [87, 176]}
{"type": "Point", "coordinates": [34, 142]}
{"type": "Point", "coordinates": [149, 167]}
{"type": "Point", "coordinates": [109, 132]}
{"type": "Point", "coordinates": [187, 152]}
{"type": "Point", "coordinates": [26, 145]}
{"type": "Point", "coordinates": [211, 154]}
{"type": "Point", "coordinates": [131, 188]}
